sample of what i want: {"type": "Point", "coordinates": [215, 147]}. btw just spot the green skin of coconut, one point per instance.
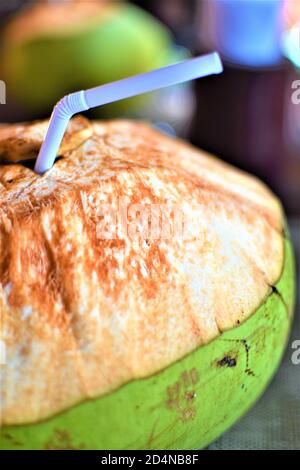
{"type": "Point", "coordinates": [188, 404]}
{"type": "Point", "coordinates": [43, 69]}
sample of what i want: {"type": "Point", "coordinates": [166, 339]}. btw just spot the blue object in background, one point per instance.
{"type": "Point", "coordinates": [245, 32]}
{"type": "Point", "coordinates": [291, 45]}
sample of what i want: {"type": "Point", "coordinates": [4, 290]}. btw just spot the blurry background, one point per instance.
{"type": "Point", "coordinates": [246, 116]}
{"type": "Point", "coordinates": [249, 115]}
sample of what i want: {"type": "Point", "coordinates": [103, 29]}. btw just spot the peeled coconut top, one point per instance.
{"type": "Point", "coordinates": [82, 314]}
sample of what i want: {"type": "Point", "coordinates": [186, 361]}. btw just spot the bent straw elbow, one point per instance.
{"type": "Point", "coordinates": [62, 113]}
{"type": "Point", "coordinates": [71, 104]}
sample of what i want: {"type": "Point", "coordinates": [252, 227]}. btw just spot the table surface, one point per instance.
{"type": "Point", "coordinates": [274, 422]}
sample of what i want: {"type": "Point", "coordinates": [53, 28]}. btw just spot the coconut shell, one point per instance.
{"type": "Point", "coordinates": [83, 314]}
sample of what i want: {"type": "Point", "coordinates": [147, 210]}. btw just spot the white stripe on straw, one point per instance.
{"type": "Point", "coordinates": [79, 101]}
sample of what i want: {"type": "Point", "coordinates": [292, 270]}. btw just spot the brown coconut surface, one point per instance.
{"type": "Point", "coordinates": [88, 314]}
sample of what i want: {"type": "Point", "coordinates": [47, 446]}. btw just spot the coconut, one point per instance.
{"type": "Point", "coordinates": [51, 49]}
{"type": "Point", "coordinates": [146, 290]}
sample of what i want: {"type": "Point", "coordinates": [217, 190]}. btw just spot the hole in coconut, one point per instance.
{"type": "Point", "coordinates": [29, 163]}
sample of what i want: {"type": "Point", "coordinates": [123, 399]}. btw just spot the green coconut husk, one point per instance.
{"type": "Point", "coordinates": [188, 404]}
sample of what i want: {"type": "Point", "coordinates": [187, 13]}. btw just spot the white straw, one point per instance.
{"type": "Point", "coordinates": [77, 102]}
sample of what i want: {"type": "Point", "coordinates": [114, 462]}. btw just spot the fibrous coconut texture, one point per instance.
{"type": "Point", "coordinates": [83, 313]}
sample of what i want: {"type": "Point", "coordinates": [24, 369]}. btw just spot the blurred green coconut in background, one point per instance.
{"type": "Point", "coordinates": [51, 49]}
